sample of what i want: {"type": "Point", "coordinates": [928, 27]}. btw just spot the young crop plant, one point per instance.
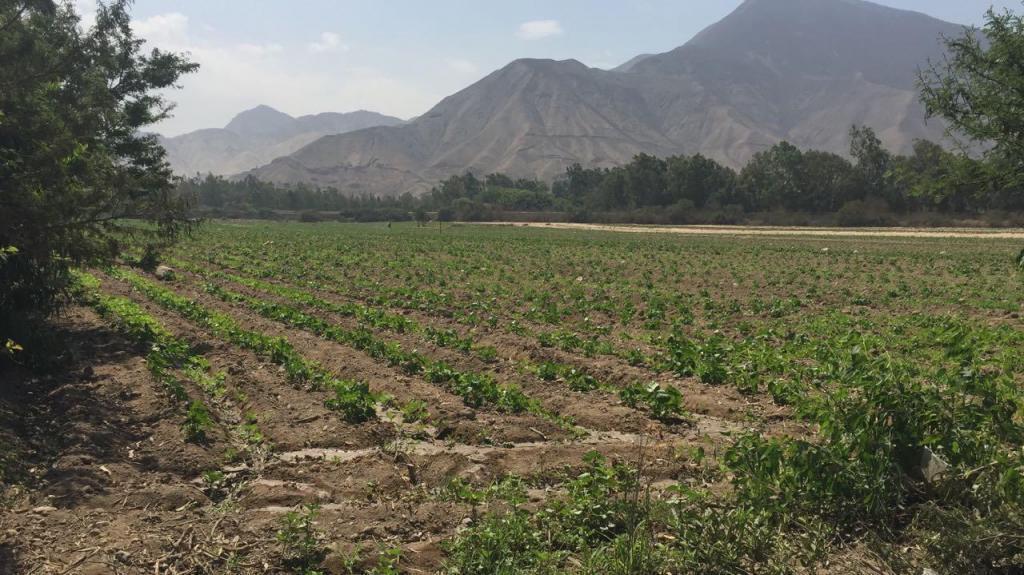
{"type": "Point", "coordinates": [354, 400]}
{"type": "Point", "coordinates": [510, 489]}
{"type": "Point", "coordinates": [166, 354]}
{"type": "Point", "coordinates": [665, 403]}
{"type": "Point", "coordinates": [301, 544]}
{"type": "Point", "coordinates": [198, 422]}
{"type": "Point", "coordinates": [602, 507]}
{"type": "Point", "coordinates": [706, 360]}
{"type": "Point", "coordinates": [576, 378]}
{"type": "Point", "coordinates": [415, 411]}
{"type": "Point", "coordinates": [388, 561]}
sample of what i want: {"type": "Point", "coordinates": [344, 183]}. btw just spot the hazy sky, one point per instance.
{"type": "Point", "coordinates": [401, 57]}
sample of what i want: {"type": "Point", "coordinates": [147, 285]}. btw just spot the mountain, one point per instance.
{"type": "Point", "coordinates": [257, 136]}
{"type": "Point", "coordinates": [773, 70]}
{"type": "Point", "coordinates": [631, 63]}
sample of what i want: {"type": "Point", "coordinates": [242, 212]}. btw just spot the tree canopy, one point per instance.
{"type": "Point", "coordinates": [78, 176]}
{"type": "Point", "coordinates": [979, 89]}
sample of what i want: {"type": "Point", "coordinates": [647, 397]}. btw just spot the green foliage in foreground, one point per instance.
{"type": "Point", "coordinates": [75, 158]}
{"type": "Point", "coordinates": [793, 499]}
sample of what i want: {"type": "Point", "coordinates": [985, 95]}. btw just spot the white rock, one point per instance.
{"type": "Point", "coordinates": [933, 467]}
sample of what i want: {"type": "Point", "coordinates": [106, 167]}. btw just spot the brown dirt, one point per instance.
{"type": "Point", "coordinates": [596, 410]}
{"type": "Point", "coordinates": [109, 485]}
{"type": "Point", "coordinates": [740, 231]}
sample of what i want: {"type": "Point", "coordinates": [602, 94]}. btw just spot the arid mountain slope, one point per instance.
{"type": "Point", "coordinates": [257, 136]}
{"type": "Point", "coordinates": [796, 70]}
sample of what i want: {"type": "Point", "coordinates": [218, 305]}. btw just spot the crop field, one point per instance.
{"type": "Point", "coordinates": [342, 398]}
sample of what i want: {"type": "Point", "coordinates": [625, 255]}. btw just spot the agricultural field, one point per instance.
{"type": "Point", "coordinates": [342, 398]}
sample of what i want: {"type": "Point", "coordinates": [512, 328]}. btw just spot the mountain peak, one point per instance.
{"type": "Point", "coordinates": [261, 121]}
{"type": "Point", "coordinates": [822, 38]}
{"type": "Point", "coordinates": [546, 65]}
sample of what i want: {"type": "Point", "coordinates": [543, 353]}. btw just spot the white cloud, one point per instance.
{"type": "Point", "coordinates": [170, 29]}
{"type": "Point", "coordinates": [461, 66]}
{"type": "Point", "coordinates": [236, 76]}
{"type": "Point", "coordinates": [328, 42]}
{"type": "Point", "coordinates": [539, 29]}
{"type": "Point", "coordinates": [86, 10]}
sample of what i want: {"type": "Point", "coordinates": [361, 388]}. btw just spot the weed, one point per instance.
{"type": "Point", "coordinates": [197, 422]}
{"type": "Point", "coordinates": [301, 544]}
{"type": "Point", "coordinates": [415, 411]}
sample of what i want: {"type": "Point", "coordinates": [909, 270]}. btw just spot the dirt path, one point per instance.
{"type": "Point", "coordinates": [983, 233]}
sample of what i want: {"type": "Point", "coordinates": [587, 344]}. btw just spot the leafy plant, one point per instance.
{"type": "Point", "coordinates": [414, 411]}
{"type": "Point", "coordinates": [354, 400]}
{"type": "Point", "coordinates": [664, 402]}
{"type": "Point", "coordinates": [301, 543]}
{"type": "Point", "coordinates": [197, 422]}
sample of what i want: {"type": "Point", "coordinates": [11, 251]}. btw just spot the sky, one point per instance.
{"type": "Point", "coordinates": [400, 57]}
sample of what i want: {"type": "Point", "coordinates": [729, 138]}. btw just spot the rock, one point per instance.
{"type": "Point", "coordinates": [933, 467]}
{"type": "Point", "coordinates": [164, 272]}
{"type": "Point", "coordinates": [43, 509]}
{"type": "Point", "coordinates": [928, 571]}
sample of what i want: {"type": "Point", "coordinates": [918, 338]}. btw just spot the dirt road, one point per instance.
{"type": "Point", "coordinates": [985, 233]}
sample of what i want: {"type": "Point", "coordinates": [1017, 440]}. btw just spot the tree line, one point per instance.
{"type": "Point", "coordinates": [871, 186]}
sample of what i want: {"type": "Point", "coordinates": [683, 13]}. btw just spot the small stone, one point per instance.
{"type": "Point", "coordinates": [164, 272]}
{"type": "Point", "coordinates": [933, 467]}
{"type": "Point", "coordinates": [43, 509]}
{"type": "Point", "coordinates": [123, 556]}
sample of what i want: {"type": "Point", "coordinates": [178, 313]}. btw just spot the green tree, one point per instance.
{"type": "Point", "coordinates": [872, 165]}
{"type": "Point", "coordinates": [78, 177]}
{"type": "Point", "coordinates": [936, 178]}
{"type": "Point", "coordinates": [645, 181]}
{"type": "Point", "coordinates": [979, 89]}
{"type": "Point", "coordinates": [828, 181]}
{"type": "Point", "coordinates": [698, 179]}
{"type": "Point", "coordinates": [773, 178]}
{"type": "Point", "coordinates": [421, 217]}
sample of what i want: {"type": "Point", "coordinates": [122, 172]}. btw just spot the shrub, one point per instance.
{"type": "Point", "coordinates": [863, 213]}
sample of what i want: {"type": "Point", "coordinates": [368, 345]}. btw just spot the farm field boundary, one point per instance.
{"type": "Point", "coordinates": [986, 233]}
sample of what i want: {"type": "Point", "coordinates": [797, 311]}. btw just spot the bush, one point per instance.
{"type": "Point", "coordinates": [864, 213]}
{"type": "Point", "coordinates": [79, 174]}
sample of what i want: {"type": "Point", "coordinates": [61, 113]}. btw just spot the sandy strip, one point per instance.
{"type": "Point", "coordinates": [984, 233]}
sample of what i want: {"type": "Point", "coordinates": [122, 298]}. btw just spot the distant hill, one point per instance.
{"type": "Point", "coordinates": [257, 136]}
{"type": "Point", "coordinates": [796, 70]}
